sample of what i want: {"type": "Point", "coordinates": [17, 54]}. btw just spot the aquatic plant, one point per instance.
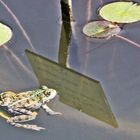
{"type": "Point", "coordinates": [18, 23]}
{"type": "Point", "coordinates": [101, 29]}
{"type": "Point", "coordinates": [113, 13]}
{"type": "Point", "coordinates": [5, 34]}
{"type": "Point", "coordinates": [121, 12]}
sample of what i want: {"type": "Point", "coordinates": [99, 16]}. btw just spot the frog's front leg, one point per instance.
{"type": "Point", "coordinates": [50, 111]}
{"type": "Point", "coordinates": [23, 118]}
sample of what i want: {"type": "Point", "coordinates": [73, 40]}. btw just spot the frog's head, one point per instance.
{"type": "Point", "coordinates": [50, 93]}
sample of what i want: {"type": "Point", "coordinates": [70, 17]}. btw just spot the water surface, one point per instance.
{"type": "Point", "coordinates": [115, 63]}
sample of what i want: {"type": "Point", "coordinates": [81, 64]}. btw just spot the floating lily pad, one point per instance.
{"type": "Point", "coordinates": [5, 34]}
{"type": "Point", "coordinates": [101, 29]}
{"type": "Point", "coordinates": [121, 12]}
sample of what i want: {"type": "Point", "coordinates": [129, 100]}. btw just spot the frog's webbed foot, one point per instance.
{"type": "Point", "coordinates": [50, 111]}
{"type": "Point", "coordinates": [27, 126]}
{"type": "Point", "coordinates": [23, 118]}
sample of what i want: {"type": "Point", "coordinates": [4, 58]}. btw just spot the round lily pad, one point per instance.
{"type": "Point", "coordinates": [5, 34]}
{"type": "Point", "coordinates": [121, 12]}
{"type": "Point", "coordinates": [101, 29]}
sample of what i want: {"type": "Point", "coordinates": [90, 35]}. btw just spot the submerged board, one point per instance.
{"type": "Point", "coordinates": [74, 89]}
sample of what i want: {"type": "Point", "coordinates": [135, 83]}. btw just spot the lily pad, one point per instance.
{"type": "Point", "coordinates": [121, 12]}
{"type": "Point", "coordinates": [101, 29]}
{"type": "Point", "coordinates": [5, 34]}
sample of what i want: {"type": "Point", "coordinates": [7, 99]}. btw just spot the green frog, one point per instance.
{"type": "Point", "coordinates": [23, 106]}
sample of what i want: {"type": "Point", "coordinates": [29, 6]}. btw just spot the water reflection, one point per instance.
{"type": "Point", "coordinates": [11, 56]}
{"type": "Point", "coordinates": [106, 60]}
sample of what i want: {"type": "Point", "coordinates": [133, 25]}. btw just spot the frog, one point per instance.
{"type": "Point", "coordinates": [24, 106]}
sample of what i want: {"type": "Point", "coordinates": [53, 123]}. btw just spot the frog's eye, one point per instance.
{"type": "Point", "coordinates": [48, 93]}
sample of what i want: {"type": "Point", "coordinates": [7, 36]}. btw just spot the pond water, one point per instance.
{"type": "Point", "coordinates": [114, 62]}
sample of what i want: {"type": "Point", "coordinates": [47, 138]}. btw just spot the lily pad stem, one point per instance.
{"type": "Point", "coordinates": [128, 40]}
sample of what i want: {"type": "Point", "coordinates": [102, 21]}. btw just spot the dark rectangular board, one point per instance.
{"type": "Point", "coordinates": [74, 89]}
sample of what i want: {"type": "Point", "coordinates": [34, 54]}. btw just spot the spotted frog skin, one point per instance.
{"type": "Point", "coordinates": [24, 106]}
